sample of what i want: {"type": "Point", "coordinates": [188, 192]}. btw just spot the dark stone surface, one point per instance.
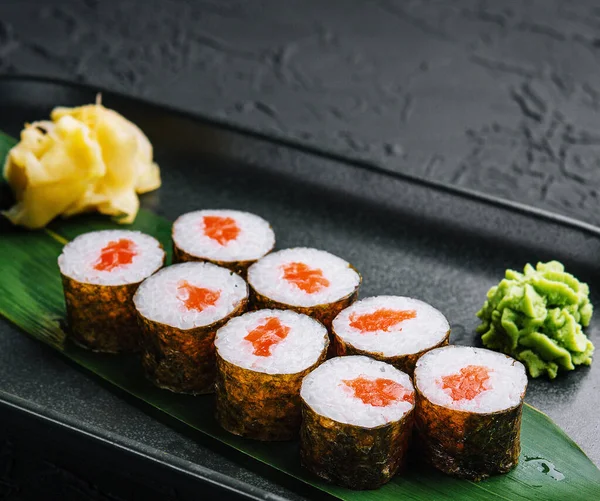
{"type": "Point", "coordinates": [498, 96]}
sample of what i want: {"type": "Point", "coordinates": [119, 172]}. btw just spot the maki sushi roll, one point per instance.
{"type": "Point", "coordinates": [179, 310]}
{"type": "Point", "coordinates": [356, 421]}
{"type": "Point", "coordinates": [261, 359]}
{"type": "Point", "coordinates": [309, 281]}
{"type": "Point", "coordinates": [393, 329]}
{"type": "Point", "coordinates": [228, 238]}
{"type": "Point", "coordinates": [101, 271]}
{"type": "Point", "coordinates": [468, 415]}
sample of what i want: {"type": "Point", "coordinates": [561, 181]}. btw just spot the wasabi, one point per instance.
{"type": "Point", "coordinates": [537, 317]}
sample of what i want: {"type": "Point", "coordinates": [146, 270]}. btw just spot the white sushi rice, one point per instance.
{"type": "Point", "coordinates": [266, 277]}
{"type": "Point", "coordinates": [256, 237]}
{"type": "Point", "coordinates": [326, 393]}
{"type": "Point", "coordinates": [506, 384]}
{"type": "Point", "coordinates": [159, 298]}
{"type": "Point", "coordinates": [79, 257]}
{"type": "Point", "coordinates": [413, 335]}
{"type": "Point", "coordinates": [299, 350]}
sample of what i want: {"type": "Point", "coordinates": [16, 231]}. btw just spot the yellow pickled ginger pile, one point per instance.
{"type": "Point", "coordinates": [84, 159]}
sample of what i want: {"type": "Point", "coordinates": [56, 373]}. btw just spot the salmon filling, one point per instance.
{"type": "Point", "coordinates": [307, 279]}
{"type": "Point", "coordinates": [380, 320]}
{"type": "Point", "coordinates": [221, 229]}
{"type": "Point", "coordinates": [379, 392]}
{"type": "Point", "coordinates": [196, 298]}
{"type": "Point", "coordinates": [115, 255]}
{"type": "Point", "coordinates": [468, 383]}
{"type": "Point", "coordinates": [265, 336]}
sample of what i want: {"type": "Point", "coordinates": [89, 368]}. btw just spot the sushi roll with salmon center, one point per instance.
{"type": "Point", "coordinates": [357, 416]}
{"type": "Point", "coordinates": [393, 329]}
{"type": "Point", "coordinates": [261, 359]}
{"type": "Point", "coordinates": [228, 238]}
{"type": "Point", "coordinates": [468, 414]}
{"type": "Point", "coordinates": [309, 281]}
{"type": "Point", "coordinates": [100, 272]}
{"type": "Point", "coordinates": [179, 310]}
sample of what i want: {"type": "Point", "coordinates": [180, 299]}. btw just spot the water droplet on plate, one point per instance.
{"type": "Point", "coordinates": [546, 467]}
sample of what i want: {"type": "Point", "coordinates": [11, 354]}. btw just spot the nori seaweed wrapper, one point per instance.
{"type": "Point", "coordinates": [352, 456]}
{"type": "Point", "coordinates": [324, 313]}
{"type": "Point", "coordinates": [239, 267]}
{"type": "Point", "coordinates": [468, 444]}
{"type": "Point", "coordinates": [102, 317]}
{"type": "Point", "coordinates": [181, 360]}
{"type": "Point", "coordinates": [258, 405]}
{"type": "Point", "coordinates": [405, 363]}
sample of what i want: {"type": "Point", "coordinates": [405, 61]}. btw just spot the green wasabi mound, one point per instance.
{"type": "Point", "coordinates": [537, 317]}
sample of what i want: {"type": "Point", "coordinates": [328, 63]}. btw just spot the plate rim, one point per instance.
{"type": "Point", "coordinates": [323, 153]}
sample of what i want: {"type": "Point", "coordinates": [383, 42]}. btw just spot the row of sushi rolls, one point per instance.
{"type": "Point", "coordinates": [289, 351]}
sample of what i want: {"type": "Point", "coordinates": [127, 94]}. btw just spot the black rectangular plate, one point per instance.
{"type": "Point", "coordinates": [406, 236]}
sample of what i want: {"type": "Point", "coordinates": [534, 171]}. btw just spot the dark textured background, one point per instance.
{"type": "Point", "coordinates": [502, 96]}
{"type": "Point", "coordinates": [498, 96]}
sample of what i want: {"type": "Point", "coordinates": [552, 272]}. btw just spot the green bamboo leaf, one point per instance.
{"type": "Point", "coordinates": [551, 466]}
{"type": "Point", "coordinates": [6, 143]}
